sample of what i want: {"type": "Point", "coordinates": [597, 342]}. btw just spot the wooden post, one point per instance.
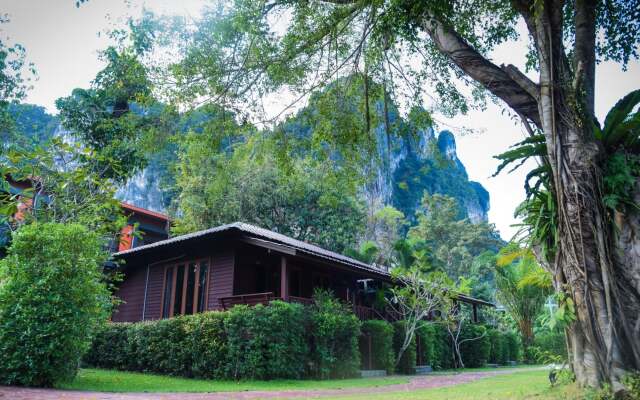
{"type": "Point", "coordinates": [284, 279]}
{"type": "Point", "coordinates": [475, 313]}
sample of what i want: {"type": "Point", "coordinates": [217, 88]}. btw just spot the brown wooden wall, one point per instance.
{"type": "Point", "coordinates": [154, 292]}
{"type": "Point", "coordinates": [131, 292]}
{"type": "Point", "coordinates": [220, 278]}
{"type": "Point", "coordinates": [131, 289]}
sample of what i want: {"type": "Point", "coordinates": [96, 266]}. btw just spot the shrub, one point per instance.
{"type": "Point", "coordinates": [513, 347]}
{"type": "Point", "coordinates": [207, 340]}
{"type": "Point", "coordinates": [407, 362]}
{"type": "Point", "coordinates": [498, 350]}
{"type": "Point", "coordinates": [52, 298]}
{"type": "Point", "coordinates": [267, 342]}
{"type": "Point", "coordinates": [435, 346]}
{"type": "Point", "coordinates": [108, 349]}
{"type": "Point", "coordinates": [380, 333]}
{"type": "Point", "coordinates": [551, 342]}
{"type": "Point", "coordinates": [475, 345]}
{"type": "Point", "coordinates": [334, 338]}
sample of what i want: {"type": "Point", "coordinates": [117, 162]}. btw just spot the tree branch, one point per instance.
{"type": "Point", "coordinates": [492, 77]}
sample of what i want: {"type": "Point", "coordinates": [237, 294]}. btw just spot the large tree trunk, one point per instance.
{"type": "Point", "coordinates": [597, 265]}
{"type": "Point", "coordinates": [605, 343]}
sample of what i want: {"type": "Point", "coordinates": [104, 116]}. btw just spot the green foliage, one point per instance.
{"type": "Point", "coordinates": [552, 342]}
{"type": "Point", "coordinates": [194, 345]}
{"type": "Point", "coordinates": [379, 335]}
{"type": "Point", "coordinates": [282, 340]}
{"type": "Point", "coordinates": [302, 199]}
{"type": "Point", "coordinates": [474, 345]}
{"type": "Point", "coordinates": [523, 288]}
{"type": "Point", "coordinates": [407, 362]}
{"type": "Point", "coordinates": [436, 346]}
{"type": "Point", "coordinates": [632, 384]}
{"type": "Point", "coordinates": [108, 118]}
{"type": "Point", "coordinates": [74, 193]}
{"type": "Point", "coordinates": [52, 297]}
{"type": "Point", "coordinates": [619, 137]}
{"type": "Point", "coordinates": [452, 242]}
{"type": "Point", "coordinates": [334, 338]}
{"type": "Point", "coordinates": [267, 342]}
{"type": "Point", "coordinates": [498, 352]}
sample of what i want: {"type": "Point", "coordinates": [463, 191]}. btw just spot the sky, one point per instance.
{"type": "Point", "coordinates": [63, 43]}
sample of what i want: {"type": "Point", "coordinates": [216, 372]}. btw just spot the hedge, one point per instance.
{"type": "Point", "coordinates": [436, 346]}
{"type": "Point", "coordinates": [282, 340]}
{"type": "Point", "coordinates": [376, 342]}
{"type": "Point", "coordinates": [334, 335]}
{"type": "Point", "coordinates": [552, 342]}
{"type": "Point", "coordinates": [474, 345]}
{"type": "Point", "coordinates": [267, 342]}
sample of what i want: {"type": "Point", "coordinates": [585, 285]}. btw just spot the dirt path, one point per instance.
{"type": "Point", "coordinates": [420, 382]}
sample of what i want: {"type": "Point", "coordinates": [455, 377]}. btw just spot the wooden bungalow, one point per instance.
{"type": "Point", "coordinates": [239, 263]}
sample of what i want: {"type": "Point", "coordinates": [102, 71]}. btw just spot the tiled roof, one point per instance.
{"type": "Point", "coordinates": [254, 231]}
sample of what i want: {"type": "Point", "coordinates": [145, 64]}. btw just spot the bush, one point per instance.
{"type": "Point", "coordinates": [381, 335]}
{"type": "Point", "coordinates": [407, 362]}
{"type": "Point", "coordinates": [334, 338]}
{"type": "Point", "coordinates": [513, 346]}
{"type": "Point", "coordinates": [281, 340]}
{"type": "Point", "coordinates": [498, 350]}
{"type": "Point", "coordinates": [267, 342]}
{"type": "Point", "coordinates": [108, 349]}
{"type": "Point", "coordinates": [207, 339]}
{"type": "Point", "coordinates": [551, 342]}
{"type": "Point", "coordinates": [52, 298]}
{"type": "Point", "coordinates": [435, 346]}
{"type": "Point", "coordinates": [475, 345]}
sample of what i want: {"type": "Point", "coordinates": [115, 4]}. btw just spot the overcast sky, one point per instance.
{"type": "Point", "coordinates": [63, 42]}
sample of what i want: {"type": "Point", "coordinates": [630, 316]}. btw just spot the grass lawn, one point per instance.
{"type": "Point", "coordinates": [100, 380]}
{"type": "Point", "coordinates": [523, 385]}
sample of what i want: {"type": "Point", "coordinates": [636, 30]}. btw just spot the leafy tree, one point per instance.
{"type": "Point", "coordinates": [63, 188]}
{"type": "Point", "coordinates": [383, 231]}
{"type": "Point", "coordinates": [452, 242]}
{"type": "Point", "coordinates": [523, 288]}
{"type": "Point", "coordinates": [52, 296]}
{"type": "Point", "coordinates": [13, 83]}
{"type": "Point", "coordinates": [303, 200]}
{"type": "Point", "coordinates": [415, 298]}
{"type": "Point", "coordinates": [116, 115]}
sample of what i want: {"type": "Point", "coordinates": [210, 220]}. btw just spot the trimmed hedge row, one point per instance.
{"type": "Point", "coordinates": [432, 345]}
{"type": "Point", "coordinates": [287, 340]}
{"type": "Point", "coordinates": [282, 340]}
{"type": "Point", "coordinates": [503, 347]}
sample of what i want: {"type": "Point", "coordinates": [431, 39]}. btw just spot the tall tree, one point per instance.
{"type": "Point", "coordinates": [237, 53]}
{"type": "Point", "coordinates": [452, 243]}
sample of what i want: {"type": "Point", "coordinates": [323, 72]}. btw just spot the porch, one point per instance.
{"type": "Point", "coordinates": [262, 275]}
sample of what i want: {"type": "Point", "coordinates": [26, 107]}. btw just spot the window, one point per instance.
{"type": "Point", "coordinates": [185, 288]}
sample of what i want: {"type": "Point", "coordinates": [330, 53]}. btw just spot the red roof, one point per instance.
{"type": "Point", "coordinates": [144, 211]}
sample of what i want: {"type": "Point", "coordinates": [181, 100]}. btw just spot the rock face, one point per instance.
{"type": "Point", "coordinates": [423, 161]}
